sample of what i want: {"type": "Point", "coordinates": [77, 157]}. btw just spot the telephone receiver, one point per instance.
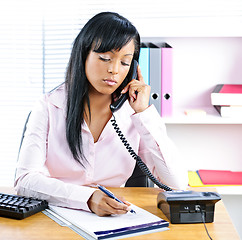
{"type": "Point", "coordinates": [123, 97]}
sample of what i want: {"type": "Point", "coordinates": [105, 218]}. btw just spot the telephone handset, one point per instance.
{"type": "Point", "coordinates": [118, 103]}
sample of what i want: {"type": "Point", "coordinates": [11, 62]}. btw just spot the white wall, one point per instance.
{"type": "Point", "coordinates": [208, 146]}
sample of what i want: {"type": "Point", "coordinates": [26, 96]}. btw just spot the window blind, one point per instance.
{"type": "Point", "coordinates": [20, 78]}
{"type": "Point", "coordinates": [36, 39]}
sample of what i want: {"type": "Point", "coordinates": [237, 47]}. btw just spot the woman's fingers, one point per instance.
{"type": "Point", "coordinates": [103, 205]}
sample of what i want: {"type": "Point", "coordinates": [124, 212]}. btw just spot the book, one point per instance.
{"type": "Point", "coordinates": [229, 111]}
{"type": "Point", "coordinates": [91, 226]}
{"type": "Point", "coordinates": [144, 62]}
{"type": "Point", "coordinates": [194, 180]}
{"type": "Point", "coordinates": [220, 177]}
{"type": "Point", "coordinates": [227, 94]}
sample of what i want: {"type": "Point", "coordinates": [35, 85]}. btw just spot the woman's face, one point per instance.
{"type": "Point", "coordinates": [106, 71]}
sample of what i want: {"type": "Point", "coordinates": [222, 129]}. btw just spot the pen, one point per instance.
{"type": "Point", "coordinates": [111, 195]}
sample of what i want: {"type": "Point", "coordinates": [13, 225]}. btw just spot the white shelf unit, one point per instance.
{"type": "Point", "coordinates": [206, 51]}
{"type": "Point", "coordinates": [199, 63]}
{"type": "Point", "coordinates": [211, 117]}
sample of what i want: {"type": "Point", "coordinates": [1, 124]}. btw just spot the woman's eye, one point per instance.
{"type": "Point", "coordinates": [125, 64]}
{"type": "Point", "coordinates": [104, 59]}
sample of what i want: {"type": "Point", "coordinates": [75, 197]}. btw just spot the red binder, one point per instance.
{"type": "Point", "coordinates": [220, 177]}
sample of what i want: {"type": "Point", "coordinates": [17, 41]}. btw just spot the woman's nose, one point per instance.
{"type": "Point", "coordinates": [113, 68]}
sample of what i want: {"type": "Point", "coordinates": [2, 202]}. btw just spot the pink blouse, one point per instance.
{"type": "Point", "coordinates": [47, 170]}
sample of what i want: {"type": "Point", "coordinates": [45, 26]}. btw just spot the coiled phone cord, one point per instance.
{"type": "Point", "coordinates": [139, 161]}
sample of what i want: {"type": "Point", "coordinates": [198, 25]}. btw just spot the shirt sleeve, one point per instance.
{"type": "Point", "coordinates": [158, 151]}
{"type": "Point", "coordinates": [32, 177]}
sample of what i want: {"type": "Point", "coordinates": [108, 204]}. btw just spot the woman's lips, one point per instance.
{"type": "Point", "coordinates": [110, 82]}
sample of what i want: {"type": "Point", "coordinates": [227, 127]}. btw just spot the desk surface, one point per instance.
{"type": "Point", "coordinates": [40, 226]}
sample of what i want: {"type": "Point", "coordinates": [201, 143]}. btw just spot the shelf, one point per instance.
{"type": "Point", "coordinates": [204, 26]}
{"type": "Point", "coordinates": [230, 190]}
{"type": "Point", "coordinates": [226, 190]}
{"type": "Point", "coordinates": [211, 117]}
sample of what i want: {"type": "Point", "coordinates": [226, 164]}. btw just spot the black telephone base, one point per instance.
{"type": "Point", "coordinates": [188, 206]}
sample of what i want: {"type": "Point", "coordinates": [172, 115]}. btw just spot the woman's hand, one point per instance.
{"type": "Point", "coordinates": [103, 205]}
{"type": "Point", "coordinates": [139, 93]}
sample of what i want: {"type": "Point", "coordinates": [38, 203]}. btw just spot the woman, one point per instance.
{"type": "Point", "coordinates": [71, 146]}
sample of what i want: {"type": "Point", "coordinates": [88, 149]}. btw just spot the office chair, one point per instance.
{"type": "Point", "coordinates": [22, 138]}
{"type": "Point", "coordinates": [137, 179]}
{"type": "Point", "coordinates": [24, 130]}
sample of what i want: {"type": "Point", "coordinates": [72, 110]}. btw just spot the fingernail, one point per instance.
{"type": "Point", "coordinates": [128, 209]}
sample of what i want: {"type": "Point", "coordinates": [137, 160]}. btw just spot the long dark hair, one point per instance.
{"type": "Point", "coordinates": [104, 32]}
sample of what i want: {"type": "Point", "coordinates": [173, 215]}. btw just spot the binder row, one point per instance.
{"type": "Point", "coordinates": [214, 178]}
{"type": "Point", "coordinates": [156, 65]}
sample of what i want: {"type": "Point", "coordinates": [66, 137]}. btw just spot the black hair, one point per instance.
{"type": "Point", "coordinates": [104, 32]}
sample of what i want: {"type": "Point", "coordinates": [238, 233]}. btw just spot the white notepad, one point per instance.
{"type": "Point", "coordinates": [91, 226]}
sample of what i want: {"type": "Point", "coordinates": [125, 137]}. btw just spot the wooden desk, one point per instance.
{"type": "Point", "coordinates": [40, 226]}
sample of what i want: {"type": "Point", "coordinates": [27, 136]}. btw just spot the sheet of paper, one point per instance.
{"type": "Point", "coordinates": [91, 223]}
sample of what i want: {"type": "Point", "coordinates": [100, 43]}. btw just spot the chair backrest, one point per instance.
{"type": "Point", "coordinates": [22, 138]}
{"type": "Point", "coordinates": [138, 179]}
{"type": "Point", "coordinates": [24, 130]}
